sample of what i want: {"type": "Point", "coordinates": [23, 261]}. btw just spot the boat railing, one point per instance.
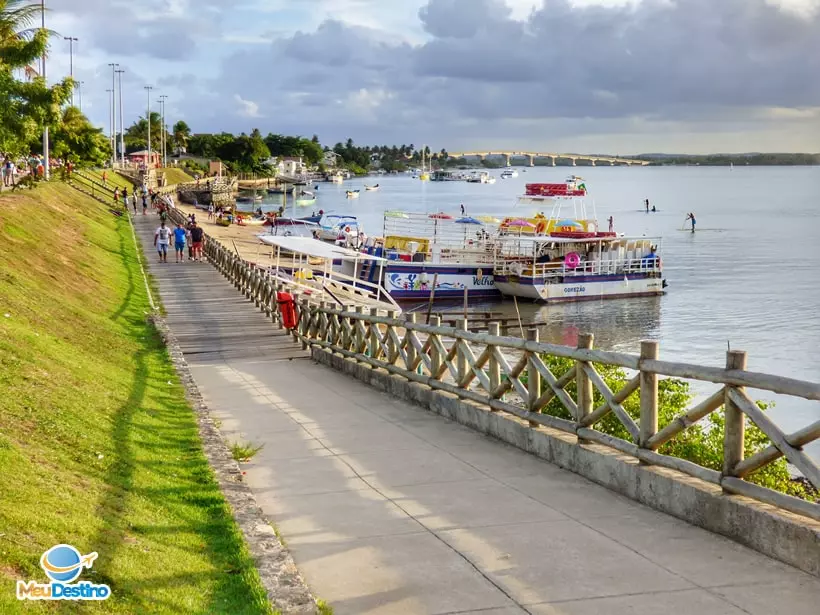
{"type": "Point", "coordinates": [558, 269]}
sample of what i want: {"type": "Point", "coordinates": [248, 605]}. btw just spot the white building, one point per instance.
{"type": "Point", "coordinates": [291, 166]}
{"type": "Point", "coordinates": [331, 159]}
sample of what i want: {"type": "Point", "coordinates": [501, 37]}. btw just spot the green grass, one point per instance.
{"type": "Point", "coordinates": [98, 447]}
{"type": "Point", "coordinates": [114, 179]}
{"type": "Point", "coordinates": [176, 175]}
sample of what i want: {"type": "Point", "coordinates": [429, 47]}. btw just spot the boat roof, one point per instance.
{"type": "Point", "coordinates": [315, 248]}
{"type": "Point", "coordinates": [340, 217]}
{"type": "Point", "coordinates": [547, 239]}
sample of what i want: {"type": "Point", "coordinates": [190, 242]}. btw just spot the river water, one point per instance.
{"type": "Point", "coordinates": [749, 277]}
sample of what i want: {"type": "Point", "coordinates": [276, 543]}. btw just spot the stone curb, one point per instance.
{"type": "Point", "coordinates": [287, 591]}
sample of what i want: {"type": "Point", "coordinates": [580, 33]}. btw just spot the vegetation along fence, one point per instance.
{"type": "Point", "coordinates": [636, 404]}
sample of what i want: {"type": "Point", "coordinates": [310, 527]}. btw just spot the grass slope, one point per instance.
{"type": "Point", "coordinates": [115, 180]}
{"type": "Point", "coordinates": [98, 447]}
{"type": "Point", "coordinates": [176, 175]}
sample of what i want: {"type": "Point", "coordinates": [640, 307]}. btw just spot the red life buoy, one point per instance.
{"type": "Point", "coordinates": [347, 229]}
{"type": "Point", "coordinates": [572, 260]}
{"type": "Point", "coordinates": [287, 307]}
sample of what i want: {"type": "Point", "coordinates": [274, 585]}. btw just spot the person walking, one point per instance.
{"type": "Point", "coordinates": [116, 196]}
{"type": "Point", "coordinates": [144, 203]}
{"type": "Point", "coordinates": [196, 241]}
{"type": "Point", "coordinates": [211, 211]}
{"type": "Point", "coordinates": [162, 237]}
{"type": "Point", "coordinates": [179, 243]}
{"type": "Point", "coordinates": [134, 201]}
{"type": "Point", "coordinates": [125, 198]}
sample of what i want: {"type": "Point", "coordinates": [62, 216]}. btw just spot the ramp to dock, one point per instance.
{"type": "Point", "coordinates": [389, 509]}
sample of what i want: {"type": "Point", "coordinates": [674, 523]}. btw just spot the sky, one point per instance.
{"type": "Point", "coordinates": [593, 76]}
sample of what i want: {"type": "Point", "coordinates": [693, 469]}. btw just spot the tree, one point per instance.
{"type": "Point", "coordinates": [28, 106]}
{"type": "Point", "coordinates": [182, 133]}
{"type": "Point", "coordinates": [76, 139]}
{"type": "Point", "coordinates": [136, 136]}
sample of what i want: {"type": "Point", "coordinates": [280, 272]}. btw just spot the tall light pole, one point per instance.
{"type": "Point", "coordinates": [112, 138]}
{"type": "Point", "coordinates": [162, 100]}
{"type": "Point", "coordinates": [122, 122]}
{"type": "Point", "coordinates": [71, 40]}
{"type": "Point", "coordinates": [148, 89]}
{"type": "Point", "coordinates": [80, 85]}
{"type": "Point", "coordinates": [46, 166]}
{"type": "Point", "coordinates": [113, 113]}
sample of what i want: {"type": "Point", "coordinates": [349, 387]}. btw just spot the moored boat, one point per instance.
{"type": "Point", "coordinates": [352, 194]}
{"type": "Point", "coordinates": [509, 173]}
{"type": "Point", "coordinates": [371, 188]}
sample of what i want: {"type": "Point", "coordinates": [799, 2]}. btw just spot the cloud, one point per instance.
{"type": "Point", "coordinates": [246, 108]}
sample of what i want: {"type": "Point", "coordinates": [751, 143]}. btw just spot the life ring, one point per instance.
{"type": "Point", "coordinates": [572, 260]}
{"type": "Point", "coordinates": [347, 229]}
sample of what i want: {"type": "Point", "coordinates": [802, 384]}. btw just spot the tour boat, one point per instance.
{"type": "Point", "coordinates": [447, 176]}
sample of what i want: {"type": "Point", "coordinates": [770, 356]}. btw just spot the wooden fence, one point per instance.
{"type": "Point", "coordinates": [508, 374]}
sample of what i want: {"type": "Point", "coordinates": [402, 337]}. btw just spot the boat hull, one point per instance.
{"type": "Point", "coordinates": [414, 281]}
{"type": "Point", "coordinates": [580, 289]}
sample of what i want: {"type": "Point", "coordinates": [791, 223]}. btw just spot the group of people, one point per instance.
{"type": "Point", "coordinates": [190, 235]}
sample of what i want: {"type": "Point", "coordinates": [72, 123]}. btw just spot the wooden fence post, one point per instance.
{"type": "Point", "coordinates": [411, 350]}
{"type": "Point", "coordinates": [393, 352]}
{"type": "Point", "coordinates": [582, 381]}
{"type": "Point", "coordinates": [649, 395]}
{"type": "Point", "coordinates": [304, 321]}
{"type": "Point", "coordinates": [533, 377]}
{"type": "Point", "coordinates": [461, 360]}
{"type": "Point", "coordinates": [357, 333]}
{"type": "Point", "coordinates": [435, 356]}
{"type": "Point", "coordinates": [493, 367]}
{"type": "Point", "coordinates": [374, 350]}
{"type": "Point", "coordinates": [735, 428]}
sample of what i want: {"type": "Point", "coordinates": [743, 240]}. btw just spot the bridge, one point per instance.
{"type": "Point", "coordinates": [411, 468]}
{"type": "Point", "coordinates": [531, 156]}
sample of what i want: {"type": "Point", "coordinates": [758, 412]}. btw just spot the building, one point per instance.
{"type": "Point", "coordinates": [291, 166]}
{"type": "Point", "coordinates": [331, 159]}
{"type": "Point", "coordinates": [215, 167]}
{"type": "Point", "coordinates": [142, 158]}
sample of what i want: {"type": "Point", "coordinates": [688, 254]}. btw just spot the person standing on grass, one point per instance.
{"type": "Point", "coordinates": [196, 241]}
{"type": "Point", "coordinates": [162, 238]}
{"type": "Point", "coordinates": [125, 198]}
{"type": "Point", "coordinates": [179, 243]}
{"type": "Point", "coordinates": [105, 178]}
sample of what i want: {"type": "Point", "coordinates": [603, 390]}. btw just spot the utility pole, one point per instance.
{"type": "Point", "coordinates": [122, 123]}
{"type": "Point", "coordinates": [148, 89]}
{"type": "Point", "coordinates": [71, 40]}
{"type": "Point", "coordinates": [112, 137]}
{"type": "Point", "coordinates": [162, 100]}
{"type": "Point", "coordinates": [46, 155]}
{"type": "Point", "coordinates": [80, 85]}
{"type": "Point", "coordinates": [113, 113]}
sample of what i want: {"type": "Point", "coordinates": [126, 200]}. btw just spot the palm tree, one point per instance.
{"type": "Point", "coordinates": [20, 45]}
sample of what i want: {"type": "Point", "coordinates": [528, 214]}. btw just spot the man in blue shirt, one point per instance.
{"type": "Point", "coordinates": [179, 243]}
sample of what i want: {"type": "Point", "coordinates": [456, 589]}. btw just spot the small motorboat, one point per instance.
{"type": "Point", "coordinates": [281, 190]}
{"type": "Point", "coordinates": [352, 194]}
{"type": "Point", "coordinates": [249, 199]}
{"type": "Point", "coordinates": [371, 188]}
{"type": "Point", "coordinates": [307, 202]}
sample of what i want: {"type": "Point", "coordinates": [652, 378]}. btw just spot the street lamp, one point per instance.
{"type": "Point", "coordinates": [46, 166]}
{"type": "Point", "coordinates": [162, 100]}
{"type": "Point", "coordinates": [113, 113]}
{"type": "Point", "coordinates": [71, 40]}
{"type": "Point", "coordinates": [148, 89]}
{"type": "Point", "coordinates": [80, 85]}
{"type": "Point", "coordinates": [122, 122]}
{"type": "Point", "coordinates": [112, 138]}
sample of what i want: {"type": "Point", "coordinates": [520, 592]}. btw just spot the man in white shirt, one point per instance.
{"type": "Point", "coordinates": [161, 240]}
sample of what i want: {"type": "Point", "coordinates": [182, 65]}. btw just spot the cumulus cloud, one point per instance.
{"type": "Point", "coordinates": [246, 108]}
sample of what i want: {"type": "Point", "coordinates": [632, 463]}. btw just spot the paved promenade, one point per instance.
{"type": "Point", "coordinates": [389, 509]}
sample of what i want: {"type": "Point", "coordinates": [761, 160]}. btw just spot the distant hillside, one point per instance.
{"type": "Point", "coordinates": [750, 159]}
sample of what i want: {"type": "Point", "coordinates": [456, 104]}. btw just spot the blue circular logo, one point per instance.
{"type": "Point", "coordinates": [62, 563]}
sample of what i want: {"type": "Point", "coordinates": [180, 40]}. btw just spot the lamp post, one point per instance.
{"type": "Point", "coordinates": [46, 166]}
{"type": "Point", "coordinates": [122, 122]}
{"type": "Point", "coordinates": [71, 40]}
{"type": "Point", "coordinates": [148, 89]}
{"type": "Point", "coordinates": [112, 138]}
{"type": "Point", "coordinates": [80, 85]}
{"type": "Point", "coordinates": [113, 113]}
{"type": "Point", "coordinates": [162, 100]}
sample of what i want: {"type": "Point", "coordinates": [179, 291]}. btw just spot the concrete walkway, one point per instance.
{"type": "Point", "coordinates": [389, 509]}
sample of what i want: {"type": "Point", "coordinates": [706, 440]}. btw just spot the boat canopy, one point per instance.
{"type": "Point", "coordinates": [315, 248]}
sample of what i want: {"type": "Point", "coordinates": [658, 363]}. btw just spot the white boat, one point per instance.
{"type": "Point", "coordinates": [509, 173]}
{"type": "Point", "coordinates": [342, 230]}
{"type": "Point", "coordinates": [423, 174]}
{"type": "Point", "coordinates": [371, 188]}
{"type": "Point", "coordinates": [326, 272]}
{"type": "Point", "coordinates": [481, 177]}
{"type": "Point", "coordinates": [335, 178]}
{"type": "Point", "coordinates": [352, 194]}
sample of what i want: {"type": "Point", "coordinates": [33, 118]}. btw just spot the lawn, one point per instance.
{"type": "Point", "coordinates": [98, 447]}
{"type": "Point", "coordinates": [115, 180]}
{"type": "Point", "coordinates": [176, 175]}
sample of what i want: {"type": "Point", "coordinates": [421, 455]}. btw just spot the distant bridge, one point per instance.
{"type": "Point", "coordinates": [574, 158]}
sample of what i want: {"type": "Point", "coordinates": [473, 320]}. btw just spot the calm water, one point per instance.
{"type": "Point", "coordinates": [749, 277]}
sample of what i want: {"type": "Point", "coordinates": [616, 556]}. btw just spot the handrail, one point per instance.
{"type": "Point", "coordinates": [509, 374]}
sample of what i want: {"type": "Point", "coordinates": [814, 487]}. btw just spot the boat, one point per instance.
{"type": "Point", "coordinates": [286, 189]}
{"type": "Point", "coordinates": [447, 176]}
{"type": "Point", "coordinates": [249, 199]}
{"type": "Point", "coordinates": [480, 177]}
{"type": "Point", "coordinates": [326, 272]}
{"type": "Point", "coordinates": [343, 230]}
{"type": "Point", "coordinates": [371, 188]}
{"type": "Point", "coordinates": [335, 178]}
{"type": "Point", "coordinates": [305, 202]}
{"type": "Point", "coordinates": [509, 173]}
{"type": "Point", "coordinates": [314, 219]}
{"type": "Point", "coordinates": [291, 227]}
{"type": "Point", "coordinates": [250, 220]}
{"type": "Point", "coordinates": [352, 194]}
{"type": "Point", "coordinates": [423, 174]}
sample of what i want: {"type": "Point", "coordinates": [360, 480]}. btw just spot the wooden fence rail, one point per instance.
{"type": "Point", "coordinates": [508, 374]}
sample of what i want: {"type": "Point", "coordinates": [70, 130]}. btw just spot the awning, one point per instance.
{"type": "Point", "coordinates": [315, 248]}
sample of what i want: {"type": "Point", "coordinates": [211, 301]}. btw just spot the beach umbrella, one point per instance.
{"type": "Point", "coordinates": [521, 223]}
{"type": "Point", "coordinates": [468, 220]}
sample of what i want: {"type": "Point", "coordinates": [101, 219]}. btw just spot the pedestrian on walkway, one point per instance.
{"type": "Point", "coordinates": [211, 211]}
{"type": "Point", "coordinates": [179, 243]}
{"type": "Point", "coordinates": [144, 203]}
{"type": "Point", "coordinates": [162, 237]}
{"type": "Point", "coordinates": [196, 241]}
{"type": "Point", "coordinates": [134, 201]}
